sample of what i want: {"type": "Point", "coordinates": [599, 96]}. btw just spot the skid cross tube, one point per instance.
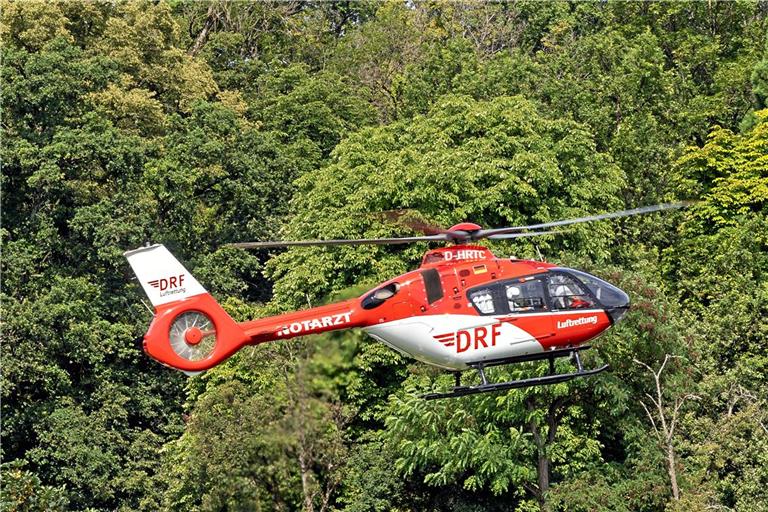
{"type": "Point", "coordinates": [551, 378]}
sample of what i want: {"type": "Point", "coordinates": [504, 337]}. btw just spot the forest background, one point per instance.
{"type": "Point", "coordinates": [196, 124]}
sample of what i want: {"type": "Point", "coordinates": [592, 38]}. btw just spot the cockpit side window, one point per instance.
{"type": "Point", "coordinates": [566, 293]}
{"type": "Point", "coordinates": [523, 295]}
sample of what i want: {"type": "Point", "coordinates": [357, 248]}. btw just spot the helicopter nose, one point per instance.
{"type": "Point", "coordinates": [620, 306]}
{"type": "Point", "coordinates": [615, 301]}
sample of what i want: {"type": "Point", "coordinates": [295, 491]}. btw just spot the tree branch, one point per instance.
{"type": "Point", "coordinates": [211, 18]}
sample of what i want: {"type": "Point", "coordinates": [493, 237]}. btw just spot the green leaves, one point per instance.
{"type": "Point", "coordinates": [497, 162]}
{"type": "Point", "coordinates": [198, 124]}
{"type": "Point", "coordinates": [23, 491]}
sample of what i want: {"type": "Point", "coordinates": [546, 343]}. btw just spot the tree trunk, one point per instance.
{"type": "Point", "coordinates": [305, 484]}
{"type": "Point", "coordinates": [202, 36]}
{"type": "Point", "coordinates": [665, 427]}
{"type": "Point", "coordinates": [542, 442]}
{"type": "Point", "coordinates": [672, 471]}
{"type": "Point", "coordinates": [543, 478]}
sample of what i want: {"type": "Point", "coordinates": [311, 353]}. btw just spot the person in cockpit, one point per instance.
{"type": "Point", "coordinates": [483, 300]}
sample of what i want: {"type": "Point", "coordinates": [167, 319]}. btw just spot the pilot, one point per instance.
{"type": "Point", "coordinates": [565, 298]}
{"type": "Point", "coordinates": [559, 294]}
{"type": "Point", "coordinates": [578, 301]}
{"type": "Point", "coordinates": [483, 300]}
{"type": "Point", "coordinates": [516, 302]}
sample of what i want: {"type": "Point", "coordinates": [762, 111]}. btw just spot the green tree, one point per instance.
{"type": "Point", "coordinates": [311, 112]}
{"type": "Point", "coordinates": [719, 269]}
{"type": "Point", "coordinates": [197, 124]}
{"type": "Point", "coordinates": [23, 491]}
{"type": "Point", "coordinates": [498, 162]}
{"type": "Point", "coordinates": [101, 105]}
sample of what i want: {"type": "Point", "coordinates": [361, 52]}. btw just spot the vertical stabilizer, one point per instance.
{"type": "Point", "coordinates": [161, 275]}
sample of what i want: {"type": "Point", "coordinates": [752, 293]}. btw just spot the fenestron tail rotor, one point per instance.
{"type": "Point", "coordinates": [466, 232]}
{"type": "Point", "coordinates": [192, 335]}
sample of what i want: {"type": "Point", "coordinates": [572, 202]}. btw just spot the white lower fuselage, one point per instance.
{"type": "Point", "coordinates": [456, 341]}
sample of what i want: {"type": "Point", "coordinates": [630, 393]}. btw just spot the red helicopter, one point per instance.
{"type": "Point", "coordinates": [462, 308]}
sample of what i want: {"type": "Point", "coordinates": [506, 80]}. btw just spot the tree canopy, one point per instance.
{"type": "Point", "coordinates": [198, 124]}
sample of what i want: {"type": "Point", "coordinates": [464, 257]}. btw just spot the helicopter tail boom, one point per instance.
{"type": "Point", "coordinates": [191, 332]}
{"type": "Point", "coordinates": [330, 317]}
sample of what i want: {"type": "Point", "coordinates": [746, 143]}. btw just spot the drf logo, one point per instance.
{"type": "Point", "coordinates": [476, 338]}
{"type": "Point", "coordinates": [166, 283]}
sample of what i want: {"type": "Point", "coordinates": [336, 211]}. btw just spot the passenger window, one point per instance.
{"type": "Point", "coordinates": [483, 301]}
{"type": "Point", "coordinates": [432, 285]}
{"type": "Point", "coordinates": [525, 296]}
{"type": "Point", "coordinates": [566, 293]}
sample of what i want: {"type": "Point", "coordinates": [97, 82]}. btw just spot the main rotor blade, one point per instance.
{"type": "Point", "coordinates": [486, 233]}
{"type": "Point", "coordinates": [412, 219]}
{"type": "Point", "coordinates": [361, 241]}
{"type": "Point", "coordinates": [507, 236]}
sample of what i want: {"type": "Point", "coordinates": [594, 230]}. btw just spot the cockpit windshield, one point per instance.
{"type": "Point", "coordinates": [607, 294]}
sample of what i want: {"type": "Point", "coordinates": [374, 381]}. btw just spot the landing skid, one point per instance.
{"type": "Point", "coordinates": [552, 378]}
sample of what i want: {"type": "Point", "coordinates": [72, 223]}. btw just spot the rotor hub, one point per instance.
{"type": "Point", "coordinates": [466, 226]}
{"type": "Point", "coordinates": [193, 335]}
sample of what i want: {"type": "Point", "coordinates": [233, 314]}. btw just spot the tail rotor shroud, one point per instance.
{"type": "Point", "coordinates": [190, 330]}
{"type": "Point", "coordinates": [192, 335]}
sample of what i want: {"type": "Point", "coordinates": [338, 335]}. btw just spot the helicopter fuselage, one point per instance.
{"type": "Point", "coordinates": [462, 307]}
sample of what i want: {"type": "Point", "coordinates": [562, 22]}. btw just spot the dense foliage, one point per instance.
{"type": "Point", "coordinates": [196, 124]}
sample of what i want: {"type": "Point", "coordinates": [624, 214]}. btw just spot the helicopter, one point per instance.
{"type": "Point", "coordinates": [462, 309]}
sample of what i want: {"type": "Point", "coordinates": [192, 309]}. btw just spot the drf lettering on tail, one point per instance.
{"type": "Point", "coordinates": [170, 282]}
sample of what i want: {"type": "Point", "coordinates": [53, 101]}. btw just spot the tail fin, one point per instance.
{"type": "Point", "coordinates": [190, 332]}
{"type": "Point", "coordinates": [161, 275]}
